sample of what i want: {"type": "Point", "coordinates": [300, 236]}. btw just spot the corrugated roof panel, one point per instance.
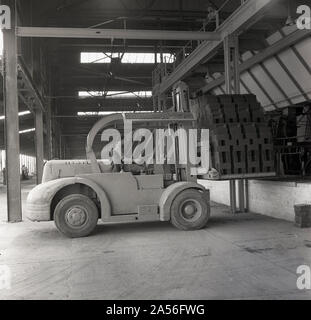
{"type": "Point", "coordinates": [282, 79]}
{"type": "Point", "coordinates": [297, 70]}
{"type": "Point", "coordinates": [264, 79]}
{"type": "Point", "coordinates": [243, 89]}
{"type": "Point", "coordinates": [253, 87]}
{"type": "Point", "coordinates": [304, 49]}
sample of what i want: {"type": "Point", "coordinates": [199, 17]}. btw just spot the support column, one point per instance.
{"type": "Point", "coordinates": [232, 188]}
{"type": "Point", "coordinates": [60, 147]}
{"type": "Point", "coordinates": [232, 72]}
{"type": "Point", "coordinates": [228, 68]}
{"type": "Point", "coordinates": [232, 81]}
{"type": "Point", "coordinates": [11, 120]}
{"type": "Point", "coordinates": [64, 147]}
{"type": "Point", "coordinates": [39, 144]}
{"type": "Point", "coordinates": [49, 134]}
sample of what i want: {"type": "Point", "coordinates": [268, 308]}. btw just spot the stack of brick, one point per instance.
{"type": "Point", "coordinates": [220, 149]}
{"type": "Point", "coordinates": [241, 142]}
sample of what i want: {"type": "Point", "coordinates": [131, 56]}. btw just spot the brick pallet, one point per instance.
{"type": "Point", "coordinates": [241, 142]}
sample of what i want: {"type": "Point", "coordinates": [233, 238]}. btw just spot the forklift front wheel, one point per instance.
{"type": "Point", "coordinates": [190, 210]}
{"type": "Point", "coordinates": [76, 216]}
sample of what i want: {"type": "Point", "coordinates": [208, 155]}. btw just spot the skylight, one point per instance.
{"type": "Point", "coordinates": [20, 114]}
{"type": "Point", "coordinates": [116, 94]}
{"type": "Point", "coordinates": [106, 113]}
{"type": "Point", "coordinates": [27, 130]}
{"type": "Point", "coordinates": [128, 57]}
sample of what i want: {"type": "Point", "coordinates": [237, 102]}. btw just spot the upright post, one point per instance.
{"type": "Point", "coordinates": [232, 81]}
{"type": "Point", "coordinates": [12, 144]}
{"type": "Point", "coordinates": [39, 144]}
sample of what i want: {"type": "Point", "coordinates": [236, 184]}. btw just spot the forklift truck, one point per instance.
{"type": "Point", "coordinates": [77, 193]}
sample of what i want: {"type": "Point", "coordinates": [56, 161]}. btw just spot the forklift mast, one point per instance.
{"type": "Point", "coordinates": [172, 121]}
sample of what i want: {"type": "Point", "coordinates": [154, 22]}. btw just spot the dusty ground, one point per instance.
{"type": "Point", "coordinates": [235, 257]}
{"type": "Point", "coordinates": [26, 187]}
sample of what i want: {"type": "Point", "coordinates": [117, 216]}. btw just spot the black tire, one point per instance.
{"type": "Point", "coordinates": [190, 210]}
{"type": "Point", "coordinates": [76, 216]}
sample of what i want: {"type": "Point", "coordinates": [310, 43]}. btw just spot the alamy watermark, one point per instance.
{"type": "Point", "coordinates": [304, 277]}
{"type": "Point", "coordinates": [159, 146]}
{"type": "Point", "coordinates": [5, 17]}
{"type": "Point", "coordinates": [304, 20]}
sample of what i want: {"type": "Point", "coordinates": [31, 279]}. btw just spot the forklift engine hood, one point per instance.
{"type": "Point", "coordinates": [56, 169]}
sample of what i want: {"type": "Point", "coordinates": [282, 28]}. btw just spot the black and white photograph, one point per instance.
{"type": "Point", "coordinates": [155, 154]}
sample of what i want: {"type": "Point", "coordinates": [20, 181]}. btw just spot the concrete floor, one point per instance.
{"type": "Point", "coordinates": [245, 256]}
{"type": "Point", "coordinates": [26, 187]}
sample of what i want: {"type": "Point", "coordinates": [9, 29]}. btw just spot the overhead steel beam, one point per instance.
{"type": "Point", "coordinates": [27, 91]}
{"type": "Point", "coordinates": [271, 51]}
{"type": "Point", "coordinates": [48, 32]}
{"type": "Point", "coordinates": [29, 86]}
{"type": "Point", "coordinates": [242, 19]}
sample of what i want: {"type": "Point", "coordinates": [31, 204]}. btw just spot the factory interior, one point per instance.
{"type": "Point", "coordinates": [240, 69]}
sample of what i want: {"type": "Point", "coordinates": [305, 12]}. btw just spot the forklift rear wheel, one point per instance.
{"type": "Point", "coordinates": [190, 210]}
{"type": "Point", "coordinates": [76, 216]}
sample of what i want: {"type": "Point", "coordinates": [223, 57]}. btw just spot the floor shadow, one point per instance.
{"type": "Point", "coordinates": [132, 227]}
